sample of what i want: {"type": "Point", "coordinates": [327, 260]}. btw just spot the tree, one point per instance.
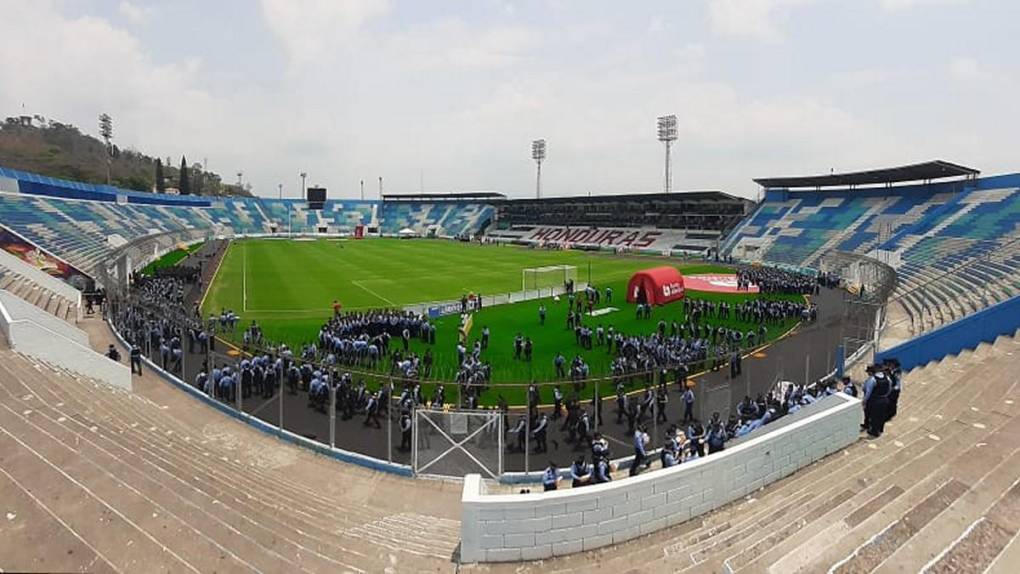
{"type": "Point", "coordinates": [197, 179]}
{"type": "Point", "coordinates": [185, 186]}
{"type": "Point", "coordinates": [106, 130]}
{"type": "Point", "coordinates": [160, 184]}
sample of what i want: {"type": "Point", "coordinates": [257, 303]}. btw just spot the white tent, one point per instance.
{"type": "Point", "coordinates": [407, 232]}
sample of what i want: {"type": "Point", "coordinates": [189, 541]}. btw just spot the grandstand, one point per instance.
{"type": "Point", "coordinates": [692, 222]}
{"type": "Point", "coordinates": [83, 223]}
{"type": "Point", "coordinates": [178, 480]}
{"type": "Point", "coordinates": [953, 243]}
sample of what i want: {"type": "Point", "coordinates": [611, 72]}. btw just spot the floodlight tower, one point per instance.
{"type": "Point", "coordinates": [304, 192]}
{"type": "Point", "coordinates": [668, 135]}
{"type": "Point", "coordinates": [538, 154]}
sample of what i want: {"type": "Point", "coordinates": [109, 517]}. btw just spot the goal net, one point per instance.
{"type": "Point", "coordinates": [535, 278]}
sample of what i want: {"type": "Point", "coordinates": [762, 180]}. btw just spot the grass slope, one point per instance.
{"type": "Point", "coordinates": [171, 258]}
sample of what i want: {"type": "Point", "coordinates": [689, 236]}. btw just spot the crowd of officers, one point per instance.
{"type": "Point", "coordinates": [690, 439]}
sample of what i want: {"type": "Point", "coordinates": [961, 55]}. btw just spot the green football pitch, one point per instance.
{"type": "Point", "coordinates": [288, 287]}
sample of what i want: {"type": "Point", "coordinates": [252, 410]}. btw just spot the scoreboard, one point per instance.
{"type": "Point", "coordinates": [316, 197]}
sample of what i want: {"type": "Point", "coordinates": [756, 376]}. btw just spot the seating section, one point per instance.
{"type": "Point", "coordinates": [939, 489]}
{"type": "Point", "coordinates": [193, 491]}
{"type": "Point", "coordinates": [955, 246]}
{"type": "Point", "coordinates": [449, 219]}
{"type": "Point", "coordinates": [796, 228]}
{"type": "Point", "coordinates": [82, 223]}
{"type": "Point", "coordinates": [41, 297]}
{"type": "Point", "coordinates": [118, 482]}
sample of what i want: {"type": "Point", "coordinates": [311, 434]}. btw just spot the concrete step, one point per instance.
{"type": "Point", "coordinates": [240, 495]}
{"type": "Point", "coordinates": [911, 448]}
{"type": "Point", "coordinates": [199, 448]}
{"type": "Point", "coordinates": [947, 540]}
{"type": "Point", "coordinates": [859, 546]}
{"type": "Point", "coordinates": [67, 497]}
{"type": "Point", "coordinates": [166, 495]}
{"type": "Point", "coordinates": [31, 524]}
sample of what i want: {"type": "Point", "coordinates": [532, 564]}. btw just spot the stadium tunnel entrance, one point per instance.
{"type": "Point", "coordinates": [656, 286]}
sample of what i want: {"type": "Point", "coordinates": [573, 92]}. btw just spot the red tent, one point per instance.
{"type": "Point", "coordinates": [656, 286]}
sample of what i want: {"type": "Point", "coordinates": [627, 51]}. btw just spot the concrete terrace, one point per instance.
{"type": "Point", "coordinates": [95, 479]}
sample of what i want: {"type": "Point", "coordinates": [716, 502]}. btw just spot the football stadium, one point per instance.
{"type": "Point", "coordinates": [821, 378]}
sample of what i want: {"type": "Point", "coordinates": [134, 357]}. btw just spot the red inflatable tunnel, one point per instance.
{"type": "Point", "coordinates": [657, 286]}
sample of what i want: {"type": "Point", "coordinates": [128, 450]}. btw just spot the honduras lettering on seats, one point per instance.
{"type": "Point", "coordinates": [596, 236]}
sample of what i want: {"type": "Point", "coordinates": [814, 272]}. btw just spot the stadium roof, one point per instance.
{"type": "Point", "coordinates": [452, 195]}
{"type": "Point", "coordinates": [916, 172]}
{"type": "Point", "coordinates": [673, 196]}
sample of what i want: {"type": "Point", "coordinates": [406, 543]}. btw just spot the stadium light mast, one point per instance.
{"type": "Point", "coordinates": [668, 135]}
{"type": "Point", "coordinates": [304, 191]}
{"type": "Point", "coordinates": [362, 190]}
{"type": "Point", "coordinates": [538, 154]}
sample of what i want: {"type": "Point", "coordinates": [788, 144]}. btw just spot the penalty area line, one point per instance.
{"type": "Point", "coordinates": [373, 293]}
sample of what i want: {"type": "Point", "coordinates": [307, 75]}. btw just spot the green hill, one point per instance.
{"type": "Point", "coordinates": [48, 147]}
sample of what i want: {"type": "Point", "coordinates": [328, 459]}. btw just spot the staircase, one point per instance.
{"type": "Point", "coordinates": [41, 297]}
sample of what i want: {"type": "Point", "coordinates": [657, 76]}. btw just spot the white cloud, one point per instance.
{"type": "Point", "coordinates": [965, 68]}
{"type": "Point", "coordinates": [749, 18]}
{"type": "Point", "coordinates": [455, 43]}
{"type": "Point", "coordinates": [309, 28]}
{"type": "Point", "coordinates": [132, 12]}
{"type": "Point", "coordinates": [463, 96]}
{"type": "Point", "coordinates": [898, 5]}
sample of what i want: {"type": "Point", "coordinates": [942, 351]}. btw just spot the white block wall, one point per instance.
{"type": "Point", "coordinates": [511, 527]}
{"type": "Point", "coordinates": [34, 332]}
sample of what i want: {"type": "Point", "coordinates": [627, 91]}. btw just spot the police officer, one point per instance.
{"type": "Point", "coordinates": [580, 473]}
{"type": "Point", "coordinates": [640, 456]}
{"type": "Point", "coordinates": [716, 438]}
{"type": "Point", "coordinates": [518, 431]}
{"type": "Point", "coordinates": [136, 359]}
{"type": "Point", "coordinates": [557, 402]}
{"type": "Point", "coordinates": [539, 434]}
{"type": "Point", "coordinates": [688, 397]}
{"type": "Point", "coordinates": [603, 471]}
{"type": "Point", "coordinates": [877, 404]}
{"type": "Point", "coordinates": [405, 430]}
{"type": "Point", "coordinates": [551, 477]}
{"type": "Point", "coordinates": [896, 379]}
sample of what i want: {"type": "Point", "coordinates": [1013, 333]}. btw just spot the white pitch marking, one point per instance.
{"type": "Point", "coordinates": [244, 278]}
{"type": "Point", "coordinates": [370, 292]}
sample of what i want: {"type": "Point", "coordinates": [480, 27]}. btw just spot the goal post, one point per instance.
{"type": "Point", "coordinates": [535, 278]}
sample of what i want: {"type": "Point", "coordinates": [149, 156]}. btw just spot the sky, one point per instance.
{"type": "Point", "coordinates": [447, 96]}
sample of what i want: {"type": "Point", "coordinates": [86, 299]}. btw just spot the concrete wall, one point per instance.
{"type": "Point", "coordinates": [38, 334]}
{"type": "Point", "coordinates": [18, 308]}
{"type": "Point", "coordinates": [967, 333]}
{"type": "Point", "coordinates": [509, 527]}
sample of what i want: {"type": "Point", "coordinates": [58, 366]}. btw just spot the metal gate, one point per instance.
{"type": "Point", "coordinates": [457, 442]}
